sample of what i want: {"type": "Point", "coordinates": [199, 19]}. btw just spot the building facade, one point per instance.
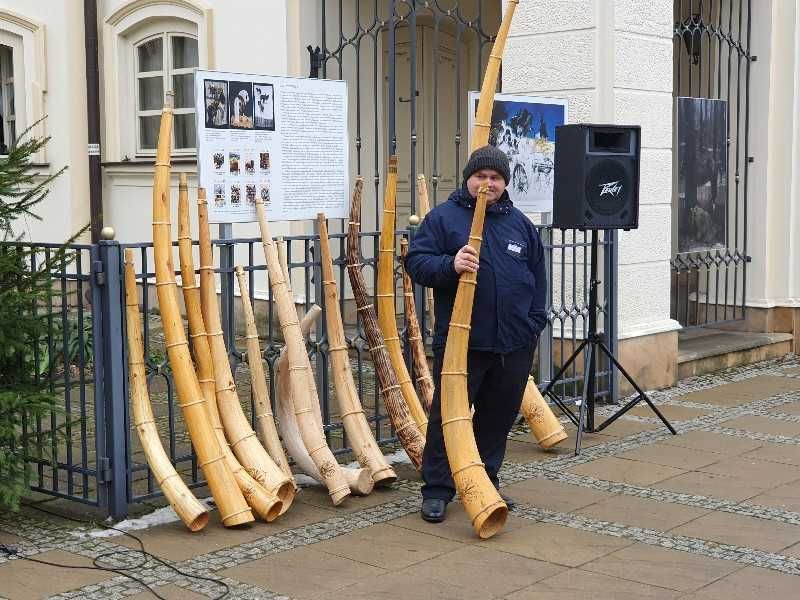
{"type": "Point", "coordinates": [615, 61]}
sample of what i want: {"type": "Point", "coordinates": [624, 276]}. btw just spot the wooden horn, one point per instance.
{"type": "Point", "coordinates": [483, 115]}
{"type": "Point", "coordinates": [300, 369]}
{"type": "Point", "coordinates": [186, 506]}
{"type": "Point", "coordinates": [351, 412]}
{"type": "Point", "coordinates": [411, 438]}
{"type": "Point", "coordinates": [424, 380]}
{"type": "Point", "coordinates": [265, 420]}
{"type": "Point", "coordinates": [387, 319]}
{"type": "Point", "coordinates": [266, 505]}
{"type": "Point", "coordinates": [481, 500]}
{"type": "Point", "coordinates": [424, 209]}
{"type": "Point", "coordinates": [232, 506]}
{"type": "Point", "coordinates": [360, 480]}
{"type": "Point", "coordinates": [545, 427]}
{"type": "Point", "coordinates": [242, 438]}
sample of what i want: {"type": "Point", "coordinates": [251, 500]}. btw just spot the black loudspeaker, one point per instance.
{"type": "Point", "coordinates": [596, 182]}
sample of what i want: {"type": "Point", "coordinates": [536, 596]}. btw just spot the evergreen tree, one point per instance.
{"type": "Point", "coordinates": [23, 285]}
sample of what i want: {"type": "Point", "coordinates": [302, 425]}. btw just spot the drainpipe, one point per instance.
{"type": "Point", "coordinates": [93, 118]}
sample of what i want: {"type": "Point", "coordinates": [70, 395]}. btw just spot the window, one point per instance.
{"type": "Point", "coordinates": [8, 131]}
{"type": "Point", "coordinates": [165, 61]}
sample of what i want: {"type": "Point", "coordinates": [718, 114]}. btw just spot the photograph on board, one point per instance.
{"type": "Point", "coordinates": [524, 128]}
{"type": "Point", "coordinates": [216, 94]}
{"type": "Point", "coordinates": [236, 194]}
{"type": "Point", "coordinates": [264, 96]}
{"type": "Point", "coordinates": [234, 158]}
{"type": "Point", "coordinates": [219, 195]}
{"type": "Point", "coordinates": [240, 104]}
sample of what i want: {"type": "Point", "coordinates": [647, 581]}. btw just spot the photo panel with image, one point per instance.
{"type": "Point", "coordinates": [264, 162]}
{"type": "Point", "coordinates": [236, 194]}
{"type": "Point", "coordinates": [263, 191]}
{"type": "Point", "coordinates": [264, 98]}
{"type": "Point", "coordinates": [219, 195]}
{"type": "Point", "coordinates": [240, 104]}
{"type": "Point", "coordinates": [250, 193]}
{"type": "Point", "coordinates": [218, 160]}
{"type": "Point", "coordinates": [216, 104]}
{"type": "Point", "coordinates": [235, 163]}
{"type": "Point", "coordinates": [249, 162]}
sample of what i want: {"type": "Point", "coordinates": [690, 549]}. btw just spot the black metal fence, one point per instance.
{"type": "Point", "coordinates": [712, 60]}
{"type": "Point", "coordinates": [99, 460]}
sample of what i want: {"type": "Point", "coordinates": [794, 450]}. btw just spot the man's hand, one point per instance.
{"type": "Point", "coordinates": [466, 260]}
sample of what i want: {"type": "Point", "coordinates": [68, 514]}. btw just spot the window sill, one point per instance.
{"type": "Point", "coordinates": [148, 162]}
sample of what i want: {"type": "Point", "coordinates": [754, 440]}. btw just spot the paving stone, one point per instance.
{"type": "Point", "coordinates": [318, 497]}
{"type": "Point", "coordinates": [394, 586]}
{"type": "Point", "coordinates": [750, 583]}
{"type": "Point", "coordinates": [554, 495]}
{"type": "Point", "coordinates": [173, 542]}
{"type": "Point", "coordinates": [743, 392]}
{"type": "Point", "coordinates": [577, 584]}
{"type": "Point", "coordinates": [556, 544]}
{"type": "Point", "coordinates": [779, 453]}
{"type": "Point", "coordinates": [387, 546]}
{"type": "Point", "coordinates": [791, 408]}
{"type": "Point", "coordinates": [641, 512]}
{"type": "Point", "coordinates": [486, 570]}
{"type": "Point", "coordinates": [711, 485]}
{"type": "Point", "coordinates": [623, 427]}
{"type": "Point", "coordinates": [662, 567]}
{"type": "Point", "coordinates": [739, 530]}
{"type": "Point", "coordinates": [528, 452]}
{"type": "Point", "coordinates": [23, 579]}
{"type": "Point", "coordinates": [671, 412]}
{"type": "Point", "coordinates": [302, 573]}
{"type": "Point", "coordinates": [786, 497]}
{"type": "Point", "coordinates": [761, 424]}
{"type": "Point", "coordinates": [673, 456]}
{"type": "Point", "coordinates": [756, 472]}
{"type": "Point", "coordinates": [456, 527]}
{"type": "Point", "coordinates": [627, 471]}
{"type": "Point", "coordinates": [713, 442]}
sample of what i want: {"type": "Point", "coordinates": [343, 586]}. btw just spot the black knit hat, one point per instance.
{"type": "Point", "coordinates": [488, 157]}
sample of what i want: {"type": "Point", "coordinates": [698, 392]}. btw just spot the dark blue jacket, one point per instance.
{"type": "Point", "coordinates": [509, 308]}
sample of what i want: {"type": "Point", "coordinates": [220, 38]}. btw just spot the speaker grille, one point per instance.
{"type": "Point", "coordinates": [608, 187]}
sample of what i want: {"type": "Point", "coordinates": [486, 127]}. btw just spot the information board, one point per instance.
{"type": "Point", "coordinates": [281, 138]}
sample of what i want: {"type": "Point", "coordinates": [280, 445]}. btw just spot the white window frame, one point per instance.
{"type": "Point", "coordinates": [122, 30]}
{"type": "Point", "coordinates": [167, 72]}
{"type": "Point", "coordinates": [8, 116]}
{"type": "Point", "coordinates": [26, 42]}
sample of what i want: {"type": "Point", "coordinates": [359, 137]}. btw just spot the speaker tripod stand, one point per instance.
{"type": "Point", "coordinates": [595, 346]}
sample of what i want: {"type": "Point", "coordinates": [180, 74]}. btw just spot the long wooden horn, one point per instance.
{"type": "Point", "coordinates": [481, 500]}
{"type": "Point", "coordinates": [424, 209]}
{"type": "Point", "coordinates": [265, 504]}
{"type": "Point", "coordinates": [300, 369]}
{"type": "Point", "coordinates": [545, 427]}
{"type": "Point", "coordinates": [183, 502]}
{"type": "Point", "coordinates": [419, 361]}
{"type": "Point", "coordinates": [229, 499]}
{"type": "Point", "coordinates": [265, 420]}
{"type": "Point", "coordinates": [483, 115]}
{"type": "Point", "coordinates": [411, 438]}
{"type": "Point", "coordinates": [242, 438]}
{"type": "Point", "coordinates": [351, 412]}
{"type": "Point", "coordinates": [387, 319]}
{"type": "Point", "coordinates": [358, 480]}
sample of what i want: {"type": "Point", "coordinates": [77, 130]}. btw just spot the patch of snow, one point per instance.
{"type": "Point", "coordinates": [159, 516]}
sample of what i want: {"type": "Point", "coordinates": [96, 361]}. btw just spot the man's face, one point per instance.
{"type": "Point", "coordinates": [490, 178]}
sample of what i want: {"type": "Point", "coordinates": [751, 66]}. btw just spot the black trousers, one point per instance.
{"type": "Point", "coordinates": [495, 386]}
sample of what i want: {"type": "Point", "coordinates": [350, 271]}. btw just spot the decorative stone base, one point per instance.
{"type": "Point", "coordinates": [779, 319]}
{"type": "Point", "coordinates": [651, 360]}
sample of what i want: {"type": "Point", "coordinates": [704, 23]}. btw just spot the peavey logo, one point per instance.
{"type": "Point", "coordinates": [612, 187]}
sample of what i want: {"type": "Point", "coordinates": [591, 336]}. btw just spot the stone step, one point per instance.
{"type": "Point", "coordinates": [706, 350]}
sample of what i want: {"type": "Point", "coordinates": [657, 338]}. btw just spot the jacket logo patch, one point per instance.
{"type": "Point", "coordinates": [515, 248]}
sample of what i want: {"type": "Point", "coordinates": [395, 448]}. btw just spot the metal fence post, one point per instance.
{"type": "Point", "coordinates": [226, 260]}
{"type": "Point", "coordinates": [610, 283]}
{"type": "Point", "coordinates": [113, 466]}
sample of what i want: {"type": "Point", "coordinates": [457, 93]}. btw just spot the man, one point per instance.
{"type": "Point", "coordinates": [508, 314]}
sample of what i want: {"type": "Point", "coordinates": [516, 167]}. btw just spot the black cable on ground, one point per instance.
{"type": "Point", "coordinates": [9, 550]}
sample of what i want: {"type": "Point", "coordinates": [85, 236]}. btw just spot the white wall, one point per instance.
{"type": "Point", "coordinates": [63, 98]}
{"type": "Point", "coordinates": [613, 60]}
{"type": "Point", "coordinates": [774, 186]}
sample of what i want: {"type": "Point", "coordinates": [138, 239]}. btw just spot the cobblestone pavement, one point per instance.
{"type": "Point", "coordinates": [711, 513]}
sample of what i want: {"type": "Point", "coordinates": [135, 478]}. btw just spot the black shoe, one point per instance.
{"type": "Point", "coordinates": [433, 510]}
{"type": "Point", "coordinates": [508, 500]}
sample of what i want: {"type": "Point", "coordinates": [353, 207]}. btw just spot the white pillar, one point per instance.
{"type": "Point", "coordinates": [613, 60]}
